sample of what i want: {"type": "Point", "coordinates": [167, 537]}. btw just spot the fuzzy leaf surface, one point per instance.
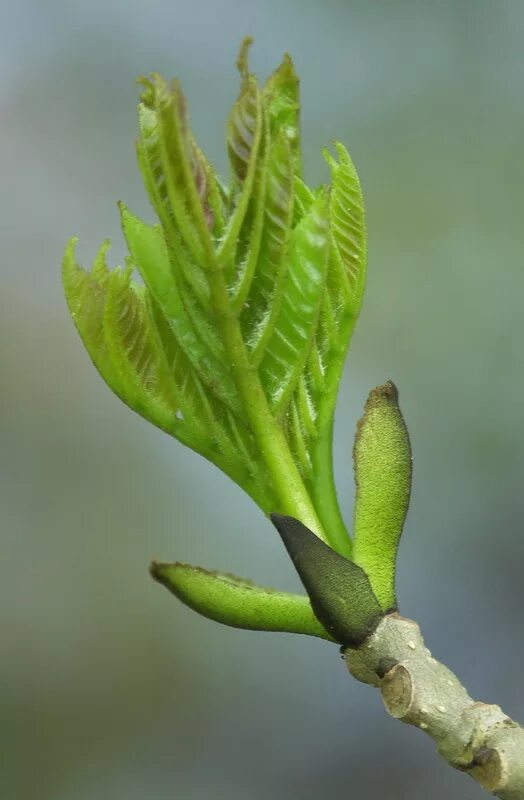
{"type": "Point", "coordinates": [235, 343]}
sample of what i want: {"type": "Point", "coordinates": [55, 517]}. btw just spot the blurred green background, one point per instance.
{"type": "Point", "coordinates": [108, 687]}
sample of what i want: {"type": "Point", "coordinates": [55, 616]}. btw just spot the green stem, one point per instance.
{"type": "Point", "coordinates": [289, 488]}
{"type": "Point", "coordinates": [325, 494]}
{"type": "Point", "coordinates": [323, 485]}
{"type": "Point", "coordinates": [288, 485]}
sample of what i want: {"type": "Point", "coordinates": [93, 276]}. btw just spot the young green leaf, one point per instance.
{"type": "Point", "coordinates": [292, 335]}
{"type": "Point", "coordinates": [115, 327]}
{"type": "Point", "coordinates": [311, 411]}
{"type": "Point", "coordinates": [246, 143]}
{"type": "Point", "coordinates": [282, 92]}
{"type": "Point", "coordinates": [264, 301]}
{"type": "Point", "coordinates": [348, 227]}
{"type": "Point", "coordinates": [175, 163]}
{"type": "Point", "coordinates": [85, 295]}
{"type": "Point", "coordinates": [202, 345]}
{"type": "Point", "coordinates": [383, 466]}
{"type": "Point", "coordinates": [136, 352]}
{"type": "Point", "coordinates": [236, 343]}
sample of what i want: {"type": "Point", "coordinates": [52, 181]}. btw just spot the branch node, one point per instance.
{"type": "Point", "coordinates": [474, 737]}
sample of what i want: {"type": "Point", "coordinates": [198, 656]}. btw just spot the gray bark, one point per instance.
{"type": "Point", "coordinates": [474, 737]}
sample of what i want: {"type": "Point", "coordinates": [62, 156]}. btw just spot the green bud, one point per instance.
{"type": "Point", "coordinates": [383, 467]}
{"type": "Point", "coordinates": [238, 602]}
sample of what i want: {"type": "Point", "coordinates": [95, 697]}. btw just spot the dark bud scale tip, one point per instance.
{"type": "Point", "coordinates": [340, 592]}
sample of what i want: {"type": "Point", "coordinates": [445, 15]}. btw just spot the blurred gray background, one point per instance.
{"type": "Point", "coordinates": [109, 688]}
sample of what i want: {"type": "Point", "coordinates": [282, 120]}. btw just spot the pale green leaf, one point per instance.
{"type": "Point", "coordinates": [134, 351]}
{"type": "Point", "coordinates": [245, 139]}
{"type": "Point", "coordinates": [243, 129]}
{"type": "Point", "coordinates": [150, 255]}
{"type": "Point", "coordinates": [114, 325]}
{"type": "Point", "coordinates": [348, 227]}
{"type": "Point", "coordinates": [289, 345]}
{"type": "Point", "coordinates": [241, 273]}
{"type": "Point", "coordinates": [237, 341]}
{"type": "Point", "coordinates": [265, 296]}
{"type": "Point", "coordinates": [166, 137]}
{"type": "Point", "coordinates": [281, 92]}
{"type": "Point", "coordinates": [85, 295]}
{"type": "Point", "coordinates": [311, 413]}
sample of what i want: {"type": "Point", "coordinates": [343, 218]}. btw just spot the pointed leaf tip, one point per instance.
{"type": "Point", "coordinates": [281, 93]}
{"type": "Point", "coordinates": [243, 57]}
{"type": "Point", "coordinates": [340, 592]}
